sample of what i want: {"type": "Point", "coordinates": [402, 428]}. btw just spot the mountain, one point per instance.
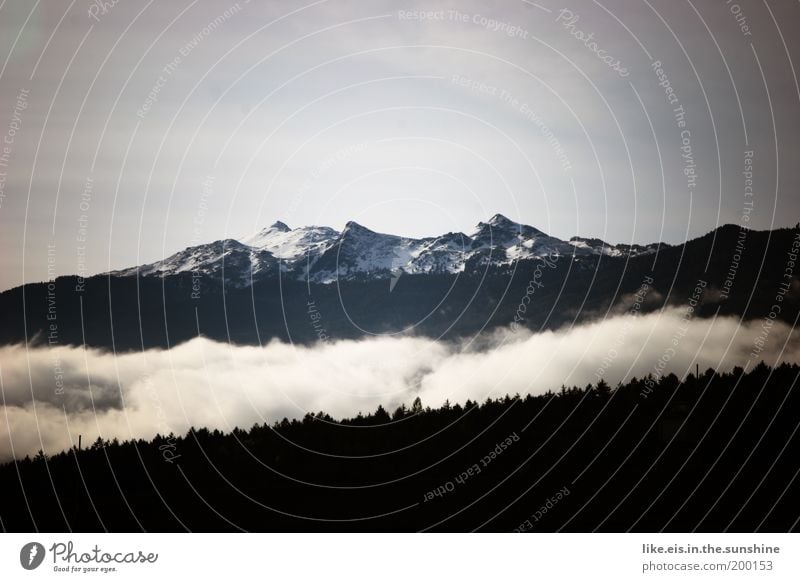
{"type": "Point", "coordinates": [321, 254]}
{"type": "Point", "coordinates": [228, 258]}
{"type": "Point", "coordinates": [600, 247]}
{"type": "Point", "coordinates": [315, 284]}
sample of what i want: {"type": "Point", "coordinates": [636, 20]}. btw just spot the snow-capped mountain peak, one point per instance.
{"type": "Point", "coordinates": [352, 228]}
{"type": "Point", "coordinates": [229, 258]}
{"type": "Point", "coordinates": [293, 244]}
{"type": "Point", "coordinates": [279, 226]}
{"type": "Point", "coordinates": [276, 228]}
{"type": "Point", "coordinates": [500, 221]}
{"type": "Point", "coordinates": [324, 255]}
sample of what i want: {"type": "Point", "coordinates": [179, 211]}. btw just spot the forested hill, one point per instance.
{"type": "Point", "coordinates": [718, 452]}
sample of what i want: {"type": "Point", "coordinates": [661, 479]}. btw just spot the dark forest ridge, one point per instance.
{"type": "Point", "coordinates": [715, 452]}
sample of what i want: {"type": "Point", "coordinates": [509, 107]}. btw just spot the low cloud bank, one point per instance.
{"type": "Point", "coordinates": [50, 395]}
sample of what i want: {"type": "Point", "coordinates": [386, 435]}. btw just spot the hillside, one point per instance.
{"type": "Point", "coordinates": [714, 453]}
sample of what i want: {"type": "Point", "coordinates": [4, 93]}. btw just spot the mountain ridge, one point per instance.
{"type": "Point", "coordinates": [224, 303]}
{"type": "Point", "coordinates": [322, 254]}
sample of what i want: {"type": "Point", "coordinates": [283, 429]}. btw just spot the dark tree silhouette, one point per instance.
{"type": "Point", "coordinates": [714, 452]}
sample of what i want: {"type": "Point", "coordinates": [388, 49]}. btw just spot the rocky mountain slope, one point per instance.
{"type": "Point", "coordinates": [321, 254]}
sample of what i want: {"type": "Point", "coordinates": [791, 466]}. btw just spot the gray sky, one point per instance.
{"type": "Point", "coordinates": [337, 110]}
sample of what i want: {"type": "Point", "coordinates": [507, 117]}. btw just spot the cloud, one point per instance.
{"type": "Point", "coordinates": [50, 395]}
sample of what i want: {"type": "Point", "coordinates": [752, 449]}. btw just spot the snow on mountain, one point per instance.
{"type": "Point", "coordinates": [519, 241]}
{"type": "Point", "coordinates": [324, 255]}
{"type": "Point", "coordinates": [500, 231]}
{"type": "Point", "coordinates": [360, 251]}
{"type": "Point", "coordinates": [291, 245]}
{"type": "Point", "coordinates": [228, 258]}
{"type": "Point", "coordinates": [600, 247]}
{"type": "Point", "coordinates": [444, 254]}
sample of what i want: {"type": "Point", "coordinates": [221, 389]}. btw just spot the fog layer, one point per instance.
{"type": "Point", "coordinates": [51, 395]}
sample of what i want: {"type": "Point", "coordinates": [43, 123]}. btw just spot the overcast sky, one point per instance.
{"type": "Point", "coordinates": [146, 127]}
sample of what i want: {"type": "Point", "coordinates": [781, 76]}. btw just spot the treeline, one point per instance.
{"type": "Point", "coordinates": [709, 453]}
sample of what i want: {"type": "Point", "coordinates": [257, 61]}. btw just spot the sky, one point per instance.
{"type": "Point", "coordinates": [131, 130]}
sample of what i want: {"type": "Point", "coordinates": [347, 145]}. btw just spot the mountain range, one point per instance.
{"type": "Point", "coordinates": [320, 254]}
{"type": "Point", "coordinates": [313, 284]}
